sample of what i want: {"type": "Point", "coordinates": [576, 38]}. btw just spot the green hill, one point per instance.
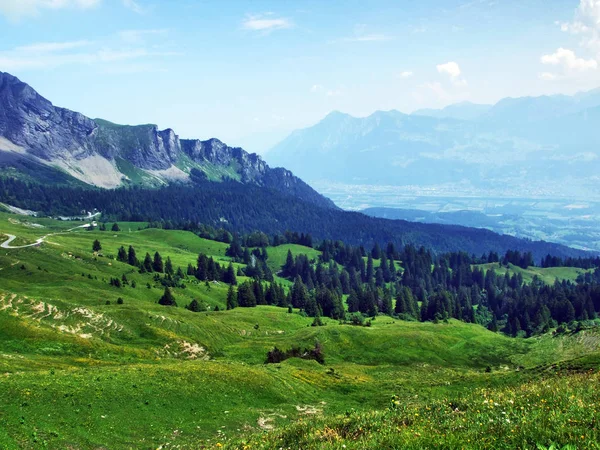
{"type": "Point", "coordinates": [78, 372]}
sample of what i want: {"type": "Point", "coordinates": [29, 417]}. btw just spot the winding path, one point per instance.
{"type": "Point", "coordinates": [11, 237]}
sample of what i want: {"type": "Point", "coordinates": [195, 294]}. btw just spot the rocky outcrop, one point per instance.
{"type": "Point", "coordinates": [88, 148]}
{"type": "Point", "coordinates": [145, 146]}
{"type": "Point", "coordinates": [252, 169]}
{"type": "Point", "coordinates": [29, 120]}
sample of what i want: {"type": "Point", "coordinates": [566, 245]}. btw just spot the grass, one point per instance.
{"type": "Point", "coordinates": [553, 411]}
{"type": "Point", "coordinates": [78, 373]}
{"type": "Point", "coordinates": [548, 275]}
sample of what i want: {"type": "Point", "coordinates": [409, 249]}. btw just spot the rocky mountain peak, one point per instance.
{"type": "Point", "coordinates": [107, 154]}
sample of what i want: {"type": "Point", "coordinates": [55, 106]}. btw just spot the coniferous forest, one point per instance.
{"type": "Point", "coordinates": [245, 208]}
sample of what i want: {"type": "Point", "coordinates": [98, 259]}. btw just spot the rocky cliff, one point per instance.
{"type": "Point", "coordinates": [109, 155]}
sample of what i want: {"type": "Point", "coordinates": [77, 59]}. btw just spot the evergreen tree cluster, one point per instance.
{"type": "Point", "coordinates": [430, 288]}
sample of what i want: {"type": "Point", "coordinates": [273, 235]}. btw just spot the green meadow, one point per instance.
{"type": "Point", "coordinates": [80, 370]}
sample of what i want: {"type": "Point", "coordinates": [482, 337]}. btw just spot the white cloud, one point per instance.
{"type": "Point", "coordinates": [568, 61]}
{"type": "Point", "coordinates": [406, 74]}
{"type": "Point", "coordinates": [587, 17]}
{"type": "Point", "coordinates": [317, 88]}
{"type": "Point", "coordinates": [17, 9]}
{"type": "Point", "coordinates": [451, 68]}
{"type": "Point", "coordinates": [266, 23]}
{"type": "Point", "coordinates": [134, 6]}
{"type": "Point", "coordinates": [586, 24]}
{"type": "Point", "coordinates": [44, 55]}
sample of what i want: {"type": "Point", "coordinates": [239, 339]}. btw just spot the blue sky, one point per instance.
{"type": "Point", "coordinates": [249, 72]}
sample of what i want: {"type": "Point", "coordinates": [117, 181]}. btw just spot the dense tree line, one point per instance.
{"type": "Point", "coordinates": [432, 288]}
{"type": "Point", "coordinates": [243, 208]}
{"type": "Point", "coordinates": [582, 263]}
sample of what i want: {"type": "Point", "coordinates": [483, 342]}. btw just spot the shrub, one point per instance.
{"type": "Point", "coordinates": [276, 355]}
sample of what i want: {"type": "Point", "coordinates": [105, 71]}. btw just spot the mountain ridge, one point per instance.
{"type": "Point", "coordinates": [512, 148]}
{"type": "Point", "coordinates": [107, 155]}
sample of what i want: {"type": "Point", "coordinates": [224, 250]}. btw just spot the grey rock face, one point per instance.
{"type": "Point", "coordinates": [31, 121]}
{"type": "Point", "coordinates": [52, 133]}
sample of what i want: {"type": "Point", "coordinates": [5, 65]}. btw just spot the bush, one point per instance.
{"type": "Point", "coordinates": [276, 355]}
{"type": "Point", "coordinates": [119, 301]}
{"type": "Point", "coordinates": [317, 322]}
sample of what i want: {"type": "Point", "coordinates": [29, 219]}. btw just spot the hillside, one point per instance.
{"type": "Point", "coordinates": [45, 143]}
{"type": "Point", "coordinates": [78, 364]}
{"type": "Point", "coordinates": [245, 208]}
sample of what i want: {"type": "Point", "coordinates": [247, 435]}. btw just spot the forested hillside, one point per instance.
{"type": "Point", "coordinates": [245, 208]}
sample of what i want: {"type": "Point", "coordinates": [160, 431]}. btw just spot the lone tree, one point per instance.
{"type": "Point", "coordinates": [194, 306]}
{"type": "Point", "coordinates": [96, 246]}
{"type": "Point", "coordinates": [115, 227]}
{"type": "Point", "coordinates": [167, 299]}
{"type": "Point", "coordinates": [231, 298]}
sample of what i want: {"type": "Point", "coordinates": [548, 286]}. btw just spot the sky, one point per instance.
{"type": "Point", "coordinates": [250, 72]}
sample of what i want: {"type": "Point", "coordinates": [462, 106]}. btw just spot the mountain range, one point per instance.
{"type": "Point", "coordinates": [60, 162]}
{"type": "Point", "coordinates": [38, 138]}
{"type": "Point", "coordinates": [532, 146]}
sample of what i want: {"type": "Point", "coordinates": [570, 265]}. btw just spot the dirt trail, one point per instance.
{"type": "Point", "coordinates": [11, 237]}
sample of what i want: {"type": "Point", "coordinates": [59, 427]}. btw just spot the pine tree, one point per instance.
{"type": "Point", "coordinates": [147, 263]}
{"type": "Point", "coordinates": [352, 302]}
{"type": "Point", "coordinates": [157, 264]}
{"type": "Point", "coordinates": [386, 303]}
{"type": "Point", "coordinates": [115, 227]}
{"type": "Point", "coordinates": [194, 306]}
{"type": "Point", "coordinates": [245, 295]}
{"type": "Point", "coordinates": [169, 267]}
{"type": "Point", "coordinates": [299, 293]}
{"type": "Point", "coordinates": [190, 269]}
{"type": "Point", "coordinates": [230, 277]}
{"type": "Point", "coordinates": [122, 254]}
{"type": "Point", "coordinates": [96, 247]}
{"type": "Point", "coordinates": [310, 306]}
{"type": "Point", "coordinates": [370, 271]}
{"type": "Point", "coordinates": [288, 267]}
{"type": "Point", "coordinates": [131, 258]}
{"type": "Point", "coordinates": [167, 299]}
{"type": "Point", "coordinates": [231, 298]}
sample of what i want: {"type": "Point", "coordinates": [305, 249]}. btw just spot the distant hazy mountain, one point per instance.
{"type": "Point", "coordinates": [460, 111]}
{"type": "Point", "coordinates": [46, 143]}
{"type": "Point", "coordinates": [537, 146]}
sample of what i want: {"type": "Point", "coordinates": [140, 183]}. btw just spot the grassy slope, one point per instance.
{"type": "Point", "coordinates": [76, 369]}
{"type": "Point", "coordinates": [547, 275]}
